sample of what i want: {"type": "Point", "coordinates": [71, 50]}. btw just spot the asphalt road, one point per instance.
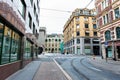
{"type": "Point", "coordinates": [79, 68]}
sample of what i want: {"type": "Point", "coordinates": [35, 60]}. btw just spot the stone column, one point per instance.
{"type": "Point", "coordinates": [21, 56]}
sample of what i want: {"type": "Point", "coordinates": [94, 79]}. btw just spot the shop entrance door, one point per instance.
{"type": "Point", "coordinates": [96, 50]}
{"type": "Point", "coordinates": [118, 51]}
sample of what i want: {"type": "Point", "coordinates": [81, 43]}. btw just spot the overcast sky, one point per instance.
{"type": "Point", "coordinates": [54, 20]}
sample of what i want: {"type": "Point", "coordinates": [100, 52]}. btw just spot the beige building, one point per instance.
{"type": "Point", "coordinates": [108, 19]}
{"type": "Point", "coordinates": [42, 37]}
{"type": "Point", "coordinates": [52, 43]}
{"type": "Point", "coordinates": [80, 33]}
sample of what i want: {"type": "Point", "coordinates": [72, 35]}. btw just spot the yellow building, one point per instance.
{"type": "Point", "coordinates": [80, 33]}
{"type": "Point", "coordinates": [52, 43]}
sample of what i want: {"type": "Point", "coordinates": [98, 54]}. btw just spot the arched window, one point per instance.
{"type": "Point", "coordinates": [118, 32]}
{"type": "Point", "coordinates": [45, 40]}
{"type": "Point", "coordinates": [107, 35]}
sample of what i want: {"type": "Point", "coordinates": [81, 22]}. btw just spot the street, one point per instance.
{"type": "Point", "coordinates": [68, 67]}
{"type": "Point", "coordinates": [80, 68]}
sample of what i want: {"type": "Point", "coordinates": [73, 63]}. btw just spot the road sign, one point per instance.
{"type": "Point", "coordinates": [106, 43]}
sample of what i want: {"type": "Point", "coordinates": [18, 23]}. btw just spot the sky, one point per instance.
{"type": "Point", "coordinates": [55, 13]}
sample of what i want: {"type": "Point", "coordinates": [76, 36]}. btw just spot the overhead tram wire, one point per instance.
{"type": "Point", "coordinates": [56, 10]}
{"type": "Point", "coordinates": [88, 3]}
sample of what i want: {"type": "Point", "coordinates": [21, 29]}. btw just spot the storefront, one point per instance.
{"type": "Point", "coordinates": [117, 50]}
{"type": "Point", "coordinates": [87, 50]}
{"type": "Point", "coordinates": [12, 31]}
{"type": "Point", "coordinates": [10, 48]}
{"type": "Point", "coordinates": [10, 45]}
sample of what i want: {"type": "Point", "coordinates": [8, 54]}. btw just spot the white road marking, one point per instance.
{"type": "Point", "coordinates": [95, 69]}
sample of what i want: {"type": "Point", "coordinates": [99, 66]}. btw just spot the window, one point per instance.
{"type": "Point", "coordinates": [87, 50]}
{"type": "Point", "coordinates": [49, 49]}
{"type": "Point", "coordinates": [34, 9]}
{"type": "Point", "coordinates": [31, 2]}
{"type": "Point", "coordinates": [6, 45]}
{"type": "Point", "coordinates": [95, 33]}
{"type": "Point", "coordinates": [45, 40]}
{"type": "Point", "coordinates": [104, 19]}
{"type": "Point", "coordinates": [87, 40]}
{"type": "Point", "coordinates": [77, 25]}
{"type": "Point", "coordinates": [78, 33]}
{"type": "Point", "coordinates": [22, 8]}
{"type": "Point", "coordinates": [104, 4]}
{"type": "Point", "coordinates": [30, 20]}
{"type": "Point", "coordinates": [33, 28]}
{"type": "Point", "coordinates": [56, 40]}
{"type": "Point", "coordinates": [107, 35]}
{"type": "Point", "coordinates": [52, 45]}
{"type": "Point", "coordinates": [27, 53]}
{"type": "Point", "coordinates": [11, 44]}
{"type": "Point", "coordinates": [86, 12]}
{"type": "Point", "coordinates": [37, 3]}
{"type": "Point", "coordinates": [78, 41]}
{"type": "Point", "coordinates": [117, 13]}
{"type": "Point", "coordinates": [86, 33]}
{"type": "Point", "coordinates": [107, 18]}
{"type": "Point", "coordinates": [86, 25]}
{"type": "Point", "coordinates": [50, 40]}
{"type": "Point", "coordinates": [118, 32]}
{"type": "Point", "coordinates": [59, 40]}
{"type": "Point", "coordinates": [94, 26]}
{"type": "Point", "coordinates": [93, 19]}
{"type": "Point", "coordinates": [86, 18]}
{"type": "Point", "coordinates": [77, 18]}
{"type": "Point", "coordinates": [1, 37]}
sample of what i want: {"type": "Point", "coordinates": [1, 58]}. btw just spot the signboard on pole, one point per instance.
{"type": "Point", "coordinates": [106, 44]}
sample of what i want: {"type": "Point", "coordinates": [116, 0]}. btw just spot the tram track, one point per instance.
{"type": "Point", "coordinates": [84, 77]}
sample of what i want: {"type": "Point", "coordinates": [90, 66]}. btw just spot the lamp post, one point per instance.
{"type": "Point", "coordinates": [114, 51]}
{"type": "Point", "coordinates": [106, 49]}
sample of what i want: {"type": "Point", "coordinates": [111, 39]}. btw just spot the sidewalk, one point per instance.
{"type": "Point", "coordinates": [49, 71]}
{"type": "Point", "coordinates": [111, 65]}
{"type": "Point", "coordinates": [27, 73]}
{"type": "Point", "coordinates": [41, 69]}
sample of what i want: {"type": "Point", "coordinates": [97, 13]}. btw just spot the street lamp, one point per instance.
{"type": "Point", "coordinates": [113, 44]}
{"type": "Point", "coordinates": [106, 49]}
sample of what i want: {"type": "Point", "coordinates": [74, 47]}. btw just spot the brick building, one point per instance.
{"type": "Point", "coordinates": [108, 20]}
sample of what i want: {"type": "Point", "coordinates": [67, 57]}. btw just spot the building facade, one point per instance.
{"type": "Point", "coordinates": [108, 20]}
{"type": "Point", "coordinates": [18, 28]}
{"type": "Point", "coordinates": [42, 37]}
{"type": "Point", "coordinates": [80, 33]}
{"type": "Point", "coordinates": [52, 43]}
